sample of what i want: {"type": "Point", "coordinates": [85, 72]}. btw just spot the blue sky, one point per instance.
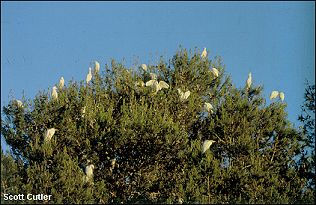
{"type": "Point", "coordinates": [42, 41]}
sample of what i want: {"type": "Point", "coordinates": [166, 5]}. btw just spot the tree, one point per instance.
{"type": "Point", "coordinates": [306, 162]}
{"type": "Point", "coordinates": [146, 145]}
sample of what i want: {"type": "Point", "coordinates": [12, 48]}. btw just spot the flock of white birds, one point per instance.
{"type": "Point", "coordinates": [157, 86]}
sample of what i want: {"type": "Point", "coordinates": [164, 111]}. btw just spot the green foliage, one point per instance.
{"type": "Point", "coordinates": [156, 140]}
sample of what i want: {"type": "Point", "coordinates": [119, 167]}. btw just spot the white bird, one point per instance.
{"type": "Point", "coordinates": [144, 67]}
{"type": "Point", "coordinates": [89, 171]}
{"type": "Point", "coordinates": [215, 72]}
{"type": "Point", "coordinates": [20, 104]}
{"type": "Point", "coordinates": [49, 134]}
{"type": "Point", "coordinates": [89, 76]}
{"type": "Point", "coordinates": [96, 66]}
{"type": "Point", "coordinates": [158, 86]}
{"type": "Point", "coordinates": [208, 107]}
{"type": "Point", "coordinates": [274, 94]}
{"type": "Point", "coordinates": [54, 93]}
{"type": "Point", "coordinates": [281, 95]}
{"type": "Point", "coordinates": [204, 53]}
{"type": "Point", "coordinates": [162, 84]}
{"type": "Point", "coordinates": [249, 81]}
{"type": "Point", "coordinates": [184, 95]}
{"type": "Point", "coordinates": [61, 82]}
{"type": "Point", "coordinates": [206, 145]}
{"type": "Point", "coordinates": [151, 83]}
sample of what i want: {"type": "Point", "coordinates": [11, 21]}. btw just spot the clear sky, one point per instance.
{"type": "Point", "coordinates": [42, 41]}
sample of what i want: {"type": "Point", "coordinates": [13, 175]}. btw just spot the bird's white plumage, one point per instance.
{"type": "Point", "coordinates": [89, 171]}
{"type": "Point", "coordinates": [274, 94]}
{"type": "Point", "coordinates": [184, 95]}
{"type": "Point", "coordinates": [96, 66]}
{"type": "Point", "coordinates": [151, 82]}
{"type": "Point", "coordinates": [144, 67]}
{"type": "Point", "coordinates": [54, 93]}
{"type": "Point", "coordinates": [206, 145]}
{"type": "Point", "coordinates": [157, 86]}
{"type": "Point", "coordinates": [20, 104]}
{"type": "Point", "coordinates": [49, 134]}
{"type": "Point", "coordinates": [162, 84]}
{"type": "Point", "coordinates": [281, 95]}
{"type": "Point", "coordinates": [208, 107]}
{"type": "Point", "coordinates": [89, 76]}
{"type": "Point", "coordinates": [61, 82]}
{"type": "Point", "coordinates": [215, 72]}
{"type": "Point", "coordinates": [204, 53]}
{"type": "Point", "coordinates": [249, 81]}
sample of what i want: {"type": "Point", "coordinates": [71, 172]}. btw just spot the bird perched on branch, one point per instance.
{"type": "Point", "coordinates": [96, 66]}
{"type": "Point", "coordinates": [19, 103]}
{"type": "Point", "coordinates": [156, 85]}
{"type": "Point", "coordinates": [208, 107]}
{"type": "Point", "coordinates": [144, 67]}
{"type": "Point", "coordinates": [249, 81]}
{"type": "Point", "coordinates": [281, 95]}
{"type": "Point", "coordinates": [215, 72]}
{"type": "Point", "coordinates": [61, 83]}
{"type": "Point", "coordinates": [183, 95]}
{"type": "Point", "coordinates": [89, 76]}
{"type": "Point", "coordinates": [206, 145]}
{"type": "Point", "coordinates": [54, 93]}
{"type": "Point", "coordinates": [204, 53]}
{"type": "Point", "coordinates": [274, 94]}
{"type": "Point", "coordinates": [89, 172]}
{"type": "Point", "coordinates": [49, 134]}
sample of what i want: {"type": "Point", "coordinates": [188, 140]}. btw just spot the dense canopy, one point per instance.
{"type": "Point", "coordinates": [139, 145]}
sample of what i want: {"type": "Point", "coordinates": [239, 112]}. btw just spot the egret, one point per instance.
{"type": "Point", "coordinates": [281, 95]}
{"type": "Point", "coordinates": [162, 84]}
{"type": "Point", "coordinates": [54, 93]}
{"type": "Point", "coordinates": [158, 86]}
{"type": "Point", "coordinates": [208, 107]}
{"type": "Point", "coordinates": [49, 134]}
{"type": "Point", "coordinates": [144, 67]}
{"type": "Point", "coordinates": [249, 81]}
{"type": "Point", "coordinates": [204, 53]}
{"type": "Point", "coordinates": [206, 145]}
{"type": "Point", "coordinates": [89, 76]}
{"type": "Point", "coordinates": [274, 94]}
{"type": "Point", "coordinates": [215, 72]}
{"type": "Point", "coordinates": [61, 82]}
{"type": "Point", "coordinates": [89, 171]}
{"type": "Point", "coordinates": [151, 82]}
{"type": "Point", "coordinates": [96, 66]}
{"type": "Point", "coordinates": [20, 104]}
{"type": "Point", "coordinates": [184, 95]}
